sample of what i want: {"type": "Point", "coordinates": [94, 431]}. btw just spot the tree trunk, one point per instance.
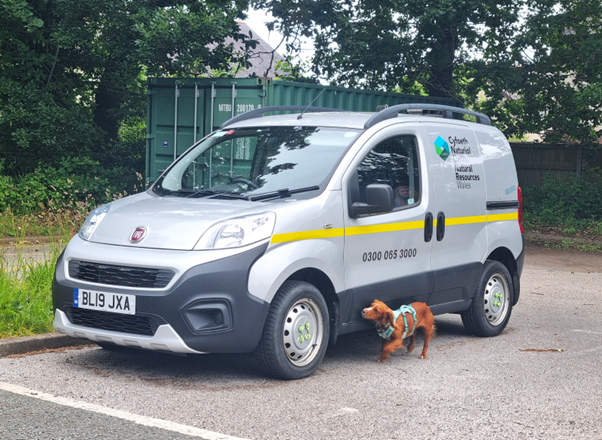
{"type": "Point", "coordinates": [441, 63]}
{"type": "Point", "coordinates": [106, 112]}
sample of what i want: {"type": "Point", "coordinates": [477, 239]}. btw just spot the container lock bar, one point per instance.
{"type": "Point", "coordinates": [175, 124]}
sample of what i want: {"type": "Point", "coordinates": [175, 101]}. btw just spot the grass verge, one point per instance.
{"type": "Point", "coordinates": [25, 275]}
{"type": "Point", "coordinates": [18, 228]}
{"type": "Point", "coordinates": [25, 290]}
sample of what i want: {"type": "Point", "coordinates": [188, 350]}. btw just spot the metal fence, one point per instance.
{"type": "Point", "coordinates": [534, 161]}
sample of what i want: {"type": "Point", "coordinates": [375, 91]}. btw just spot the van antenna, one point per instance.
{"type": "Point", "coordinates": [301, 115]}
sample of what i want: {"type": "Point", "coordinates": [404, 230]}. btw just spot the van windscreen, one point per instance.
{"type": "Point", "coordinates": [253, 161]}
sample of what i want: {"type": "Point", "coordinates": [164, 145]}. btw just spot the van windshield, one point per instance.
{"type": "Point", "coordinates": [251, 162]}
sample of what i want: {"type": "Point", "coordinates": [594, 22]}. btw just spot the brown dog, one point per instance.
{"type": "Point", "coordinates": [393, 331]}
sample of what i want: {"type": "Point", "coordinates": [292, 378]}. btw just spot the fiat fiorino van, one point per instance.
{"type": "Point", "coordinates": [270, 235]}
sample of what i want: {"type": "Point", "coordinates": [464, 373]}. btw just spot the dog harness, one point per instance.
{"type": "Point", "coordinates": [386, 331]}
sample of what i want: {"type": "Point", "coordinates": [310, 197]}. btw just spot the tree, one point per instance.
{"type": "Point", "coordinates": [551, 81]}
{"type": "Point", "coordinates": [71, 72]}
{"type": "Point", "coordinates": [396, 44]}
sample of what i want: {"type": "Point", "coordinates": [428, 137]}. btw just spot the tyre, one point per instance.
{"type": "Point", "coordinates": [492, 304]}
{"type": "Point", "coordinates": [295, 335]}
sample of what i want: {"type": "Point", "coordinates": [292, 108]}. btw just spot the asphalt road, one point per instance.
{"type": "Point", "coordinates": [540, 379]}
{"type": "Point", "coordinates": [31, 418]}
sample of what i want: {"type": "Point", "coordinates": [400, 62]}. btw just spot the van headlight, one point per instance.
{"type": "Point", "coordinates": [237, 232]}
{"type": "Point", "coordinates": [92, 221]}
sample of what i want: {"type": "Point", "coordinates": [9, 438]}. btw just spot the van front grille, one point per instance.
{"type": "Point", "coordinates": [124, 276]}
{"type": "Point", "coordinates": [136, 325]}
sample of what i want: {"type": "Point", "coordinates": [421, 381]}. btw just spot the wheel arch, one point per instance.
{"type": "Point", "coordinates": [323, 283]}
{"type": "Point", "coordinates": [491, 307]}
{"type": "Point", "coordinates": [505, 256]}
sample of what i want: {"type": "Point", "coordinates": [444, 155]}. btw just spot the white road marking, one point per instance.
{"type": "Point", "coordinates": [142, 420]}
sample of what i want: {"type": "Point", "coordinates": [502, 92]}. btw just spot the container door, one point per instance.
{"type": "Point", "coordinates": [460, 242]}
{"type": "Point", "coordinates": [388, 256]}
{"type": "Point", "coordinates": [229, 100]}
{"type": "Point", "coordinates": [173, 123]}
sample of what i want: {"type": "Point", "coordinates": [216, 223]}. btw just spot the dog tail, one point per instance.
{"type": "Point", "coordinates": [423, 330]}
{"type": "Point", "coordinates": [433, 331]}
{"type": "Point", "coordinates": [428, 326]}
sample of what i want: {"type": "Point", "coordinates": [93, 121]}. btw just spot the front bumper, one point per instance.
{"type": "Point", "coordinates": [179, 319]}
{"type": "Point", "coordinates": [164, 339]}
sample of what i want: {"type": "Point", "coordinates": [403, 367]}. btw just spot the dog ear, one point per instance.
{"type": "Point", "coordinates": [390, 316]}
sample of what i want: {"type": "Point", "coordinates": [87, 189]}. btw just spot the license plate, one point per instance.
{"type": "Point", "coordinates": [105, 301]}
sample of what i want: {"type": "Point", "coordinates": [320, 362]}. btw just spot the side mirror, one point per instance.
{"type": "Point", "coordinates": [379, 200]}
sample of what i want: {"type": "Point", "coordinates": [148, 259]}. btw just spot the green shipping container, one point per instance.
{"type": "Point", "coordinates": [183, 111]}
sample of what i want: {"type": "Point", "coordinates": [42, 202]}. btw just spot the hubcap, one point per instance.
{"type": "Point", "coordinates": [496, 299]}
{"type": "Point", "coordinates": [303, 332]}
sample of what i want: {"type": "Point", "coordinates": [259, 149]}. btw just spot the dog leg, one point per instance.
{"type": "Point", "coordinates": [412, 343]}
{"type": "Point", "coordinates": [384, 354]}
{"type": "Point", "coordinates": [428, 335]}
{"type": "Point", "coordinates": [388, 348]}
{"type": "Point", "coordinates": [383, 357]}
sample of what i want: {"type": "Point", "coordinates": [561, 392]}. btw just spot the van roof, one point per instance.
{"type": "Point", "coordinates": [330, 117]}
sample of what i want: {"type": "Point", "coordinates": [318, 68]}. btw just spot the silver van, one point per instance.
{"type": "Point", "coordinates": [270, 235]}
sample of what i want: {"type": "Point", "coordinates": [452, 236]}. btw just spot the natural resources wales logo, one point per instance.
{"type": "Point", "coordinates": [442, 148]}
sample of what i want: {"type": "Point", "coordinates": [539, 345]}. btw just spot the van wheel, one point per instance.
{"type": "Point", "coordinates": [492, 304]}
{"type": "Point", "coordinates": [295, 335]}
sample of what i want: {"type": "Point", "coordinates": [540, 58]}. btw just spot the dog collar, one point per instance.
{"type": "Point", "coordinates": [386, 331]}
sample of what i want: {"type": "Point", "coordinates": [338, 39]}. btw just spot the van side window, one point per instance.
{"type": "Point", "coordinates": [393, 162]}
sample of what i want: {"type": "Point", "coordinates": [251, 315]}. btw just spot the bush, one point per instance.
{"type": "Point", "coordinates": [563, 203]}
{"type": "Point", "coordinates": [35, 126]}
{"type": "Point", "coordinates": [76, 184]}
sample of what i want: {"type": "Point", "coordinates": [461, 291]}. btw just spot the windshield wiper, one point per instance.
{"type": "Point", "coordinates": [196, 192]}
{"type": "Point", "coordinates": [282, 193]}
{"type": "Point", "coordinates": [209, 194]}
{"type": "Point", "coordinates": [228, 195]}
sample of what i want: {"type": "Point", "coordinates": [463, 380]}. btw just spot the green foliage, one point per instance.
{"type": "Point", "coordinates": [569, 204]}
{"type": "Point", "coordinates": [73, 74]}
{"type": "Point", "coordinates": [35, 128]}
{"type": "Point", "coordinates": [297, 72]}
{"type": "Point", "coordinates": [551, 81]}
{"type": "Point", "coordinates": [389, 44]}
{"type": "Point", "coordinates": [75, 184]}
{"type": "Point", "coordinates": [534, 66]}
{"type": "Point", "coordinates": [197, 33]}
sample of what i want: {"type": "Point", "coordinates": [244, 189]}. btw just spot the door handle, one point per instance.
{"type": "Point", "coordinates": [440, 226]}
{"type": "Point", "coordinates": [428, 227]}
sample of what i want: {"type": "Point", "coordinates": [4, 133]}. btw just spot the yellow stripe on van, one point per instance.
{"type": "Point", "coordinates": [502, 217]}
{"type": "Point", "coordinates": [388, 227]}
{"type": "Point", "coordinates": [308, 235]}
{"type": "Point", "coordinates": [453, 221]}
